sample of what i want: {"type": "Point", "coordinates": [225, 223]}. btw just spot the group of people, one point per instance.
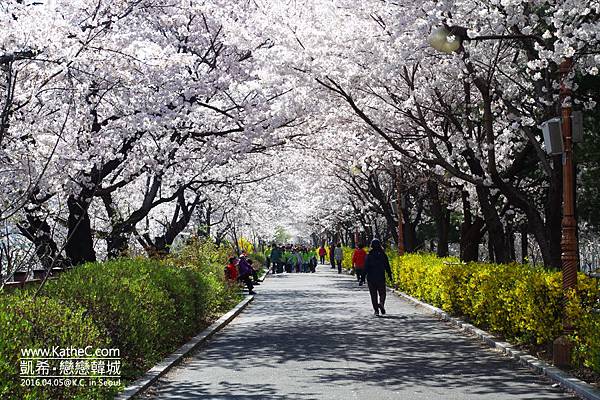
{"type": "Point", "coordinates": [369, 267]}
{"type": "Point", "coordinates": [290, 258]}
{"type": "Point", "coordinates": [241, 270]}
{"type": "Point", "coordinates": [336, 255]}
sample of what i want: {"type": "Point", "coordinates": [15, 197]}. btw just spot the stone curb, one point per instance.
{"type": "Point", "coordinates": [264, 276]}
{"type": "Point", "coordinates": [175, 358]}
{"type": "Point", "coordinates": [581, 388]}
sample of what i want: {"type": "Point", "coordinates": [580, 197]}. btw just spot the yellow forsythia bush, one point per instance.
{"type": "Point", "coordinates": [520, 302]}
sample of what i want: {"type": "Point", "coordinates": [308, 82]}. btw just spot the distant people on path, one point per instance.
{"type": "Point", "coordinates": [322, 253]}
{"type": "Point", "coordinates": [293, 258]}
{"type": "Point", "coordinates": [358, 263]}
{"type": "Point", "coordinates": [289, 259]}
{"type": "Point", "coordinates": [339, 256]}
{"type": "Point", "coordinates": [331, 255]}
{"type": "Point", "coordinates": [305, 260]}
{"type": "Point", "coordinates": [298, 261]}
{"type": "Point", "coordinates": [276, 259]}
{"type": "Point", "coordinates": [376, 266]}
{"type": "Point", "coordinates": [246, 271]}
{"type": "Point", "coordinates": [313, 261]}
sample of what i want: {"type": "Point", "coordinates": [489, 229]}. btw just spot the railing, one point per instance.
{"type": "Point", "coordinates": [21, 279]}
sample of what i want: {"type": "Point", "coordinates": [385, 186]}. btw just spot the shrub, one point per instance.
{"type": "Point", "coordinates": [203, 255]}
{"type": "Point", "coordinates": [520, 302]}
{"type": "Point", "coordinates": [40, 323]}
{"type": "Point", "coordinates": [583, 313]}
{"type": "Point", "coordinates": [143, 307]}
{"type": "Point", "coordinates": [259, 258]}
{"type": "Point", "coordinates": [146, 306]}
{"type": "Point", "coordinates": [133, 308]}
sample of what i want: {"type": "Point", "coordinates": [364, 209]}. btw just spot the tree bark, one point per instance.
{"type": "Point", "coordinates": [496, 237]}
{"type": "Point", "coordinates": [471, 232]}
{"type": "Point", "coordinates": [524, 244]}
{"type": "Point", "coordinates": [441, 215]}
{"type": "Point", "coordinates": [510, 240]}
{"type": "Point", "coordinates": [39, 233]}
{"type": "Point", "coordinates": [182, 215]}
{"type": "Point", "coordinates": [80, 244]}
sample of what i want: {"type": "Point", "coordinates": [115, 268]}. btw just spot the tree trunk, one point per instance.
{"type": "Point", "coordinates": [470, 238]}
{"type": "Point", "coordinates": [38, 232]}
{"type": "Point", "coordinates": [524, 244]}
{"type": "Point", "coordinates": [117, 244]}
{"type": "Point", "coordinates": [510, 240]}
{"type": "Point", "coordinates": [441, 215]}
{"type": "Point", "coordinates": [471, 232]}
{"type": "Point", "coordinates": [496, 237]}
{"type": "Point", "coordinates": [80, 245]}
{"type": "Point", "coordinates": [410, 237]}
{"type": "Point", "coordinates": [490, 246]}
{"type": "Point", "coordinates": [161, 245]}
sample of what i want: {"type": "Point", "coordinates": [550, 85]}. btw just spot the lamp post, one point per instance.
{"type": "Point", "coordinates": [562, 346]}
{"type": "Point", "coordinates": [450, 39]}
{"type": "Point", "coordinates": [569, 254]}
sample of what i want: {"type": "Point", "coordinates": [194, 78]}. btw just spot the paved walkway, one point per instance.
{"type": "Point", "coordinates": [313, 336]}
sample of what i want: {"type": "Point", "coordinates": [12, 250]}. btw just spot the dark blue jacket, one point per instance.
{"type": "Point", "coordinates": [376, 266]}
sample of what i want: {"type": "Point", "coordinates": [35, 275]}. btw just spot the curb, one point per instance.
{"type": "Point", "coordinates": [264, 276]}
{"type": "Point", "coordinates": [175, 358]}
{"type": "Point", "coordinates": [581, 388]}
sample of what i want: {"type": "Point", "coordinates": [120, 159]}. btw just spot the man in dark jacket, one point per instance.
{"type": "Point", "coordinates": [376, 266]}
{"type": "Point", "coordinates": [331, 255]}
{"type": "Point", "coordinates": [276, 255]}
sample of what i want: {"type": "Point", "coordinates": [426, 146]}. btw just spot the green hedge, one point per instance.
{"type": "Point", "coordinates": [146, 308]}
{"type": "Point", "coordinates": [519, 302]}
{"type": "Point", "coordinates": [40, 323]}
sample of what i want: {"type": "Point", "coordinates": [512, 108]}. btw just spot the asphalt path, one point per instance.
{"type": "Point", "coordinates": [314, 336]}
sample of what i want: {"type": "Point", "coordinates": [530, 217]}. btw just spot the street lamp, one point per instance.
{"type": "Point", "coordinates": [444, 40]}
{"type": "Point", "coordinates": [449, 39]}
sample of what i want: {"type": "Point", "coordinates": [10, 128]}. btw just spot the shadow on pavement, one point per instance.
{"type": "Point", "coordinates": [325, 328]}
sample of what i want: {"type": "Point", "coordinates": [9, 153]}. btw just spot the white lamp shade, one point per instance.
{"type": "Point", "coordinates": [443, 40]}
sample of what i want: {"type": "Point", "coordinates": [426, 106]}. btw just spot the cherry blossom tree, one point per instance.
{"type": "Point", "coordinates": [128, 123]}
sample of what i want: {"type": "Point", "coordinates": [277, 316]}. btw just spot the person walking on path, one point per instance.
{"type": "Point", "coordinates": [376, 266]}
{"type": "Point", "coordinates": [339, 256]}
{"type": "Point", "coordinates": [322, 253]}
{"type": "Point", "coordinates": [275, 258]}
{"type": "Point", "coordinates": [358, 263]}
{"type": "Point", "coordinates": [331, 255]}
{"type": "Point", "coordinates": [313, 261]}
{"type": "Point", "coordinates": [288, 259]}
{"type": "Point", "coordinates": [299, 260]}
